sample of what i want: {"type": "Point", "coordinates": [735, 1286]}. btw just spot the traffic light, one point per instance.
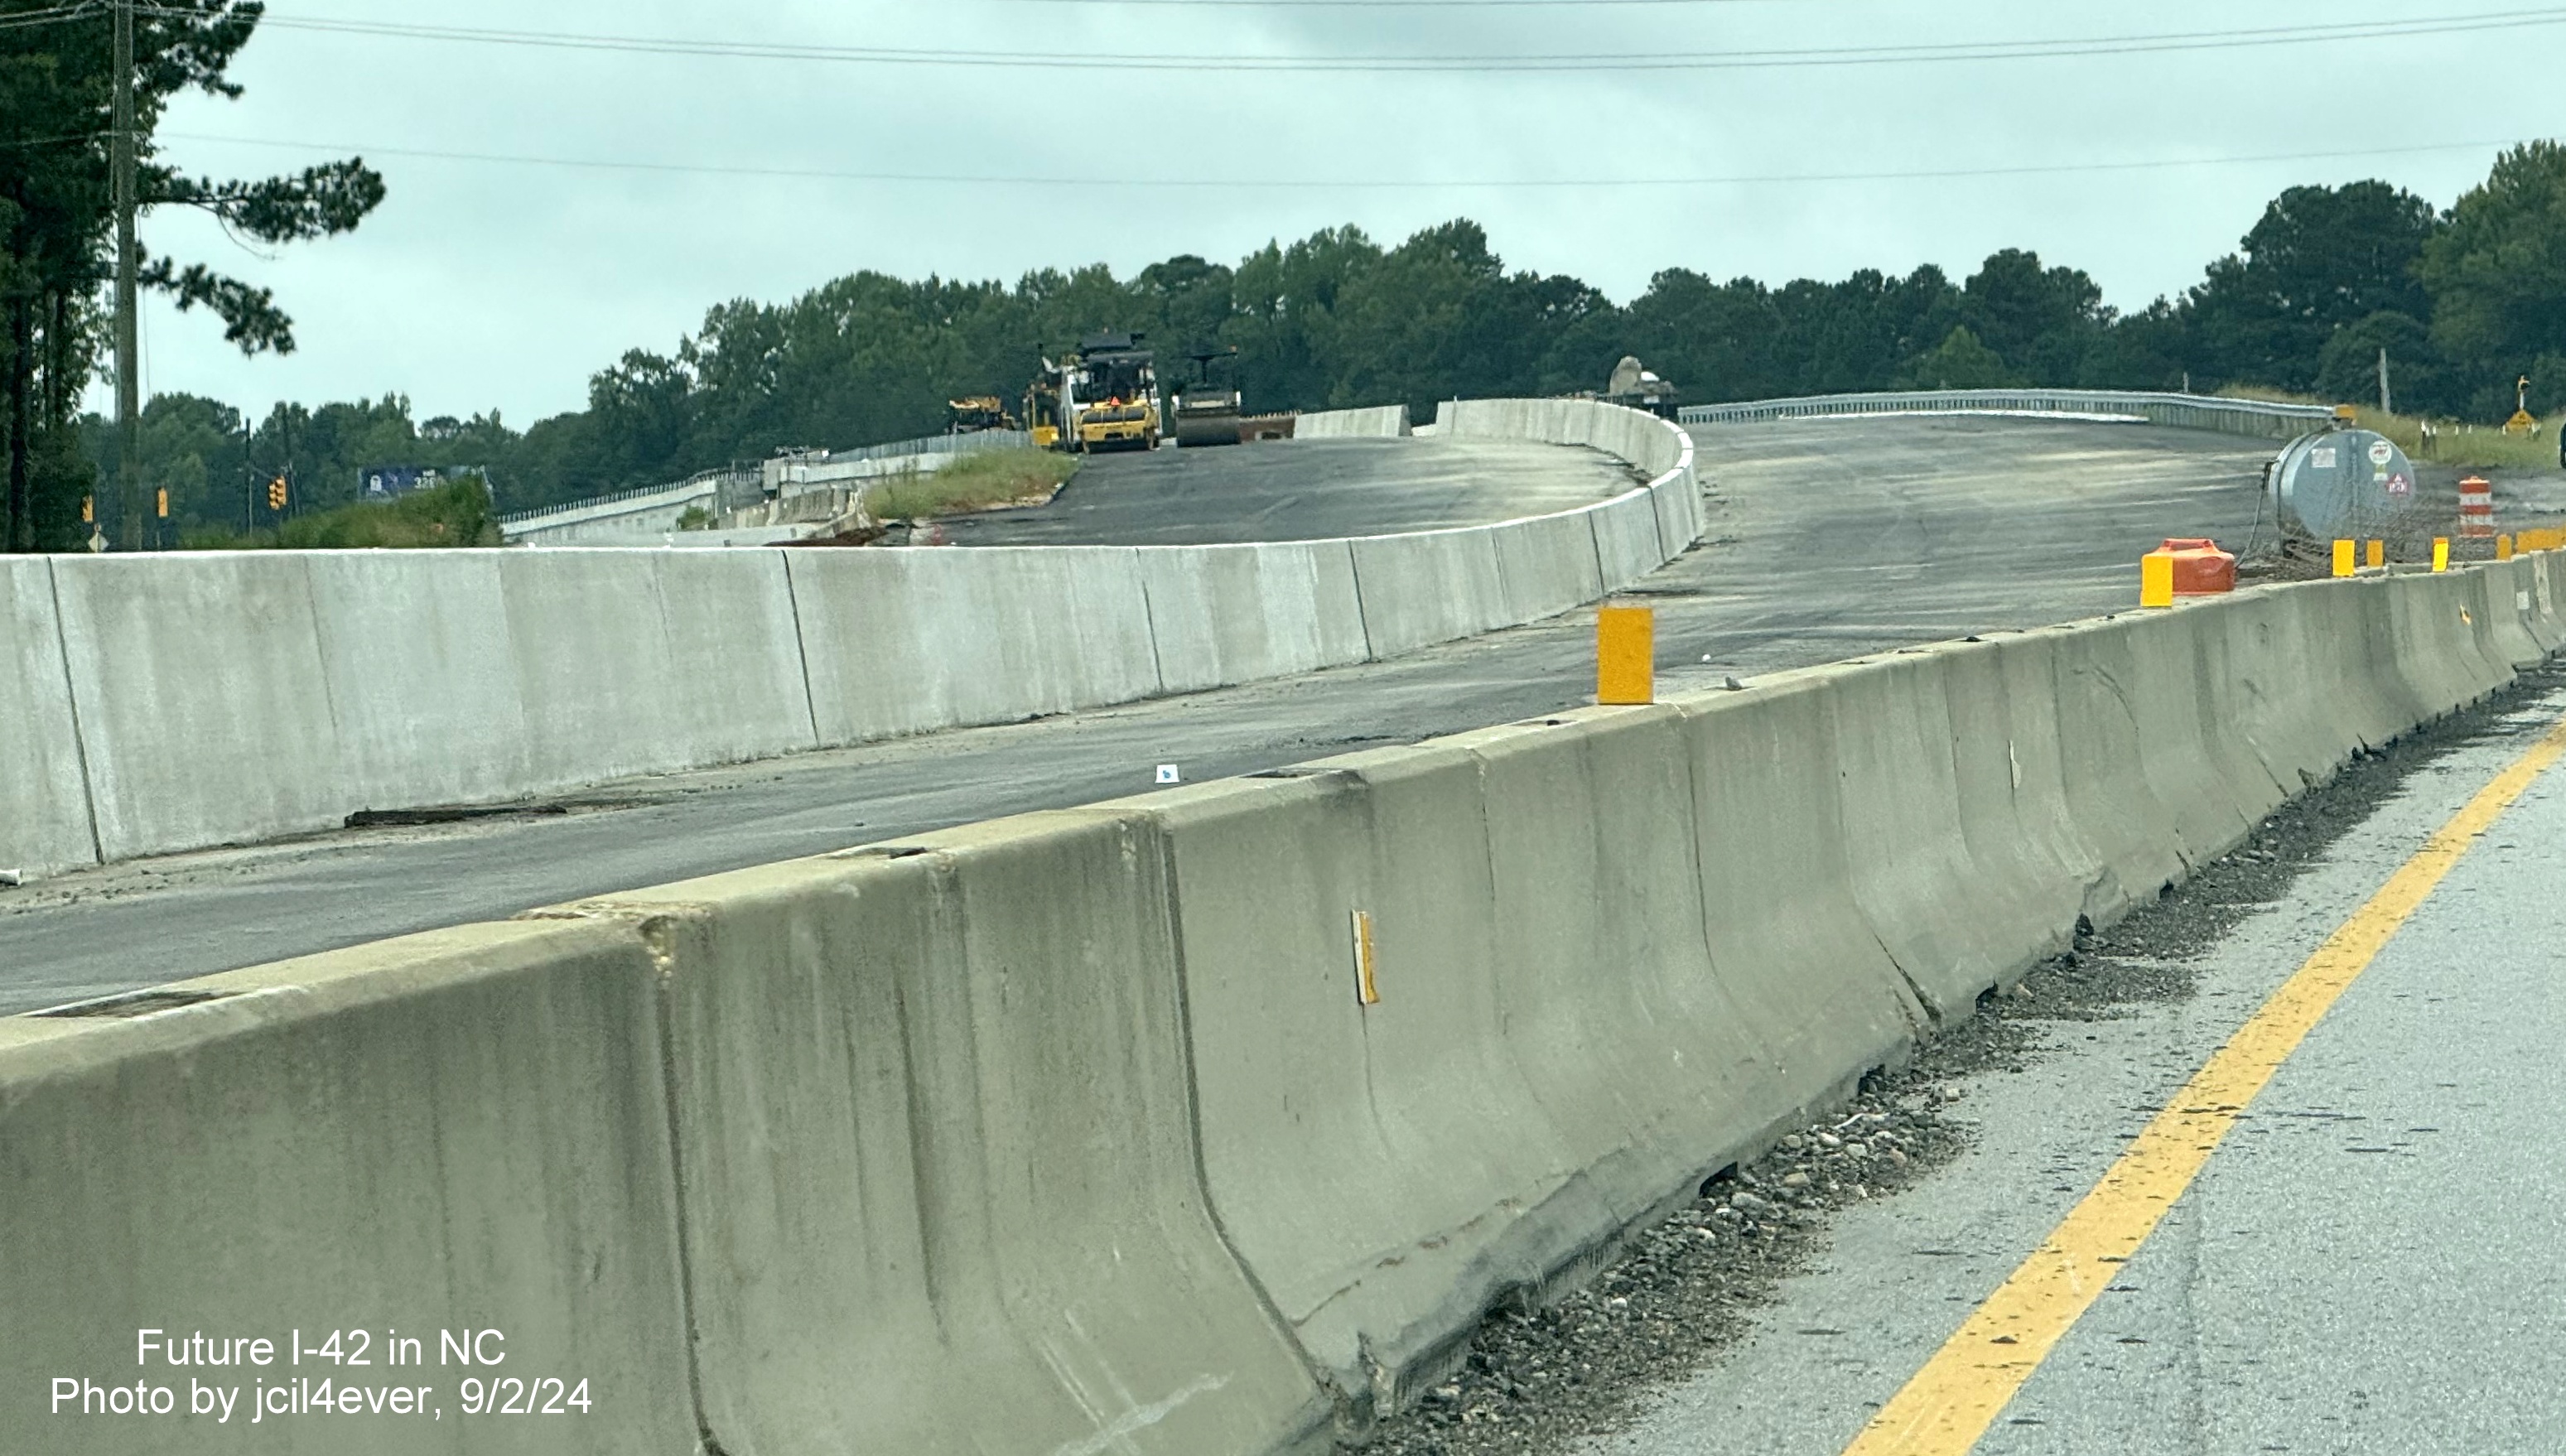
{"type": "Point", "coordinates": [160, 499]}
{"type": "Point", "coordinates": [276, 494]}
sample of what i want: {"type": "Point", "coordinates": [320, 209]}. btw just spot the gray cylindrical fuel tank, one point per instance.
{"type": "Point", "coordinates": [2347, 485]}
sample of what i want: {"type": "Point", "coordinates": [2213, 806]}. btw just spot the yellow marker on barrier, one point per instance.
{"type": "Point", "coordinates": [2343, 558]}
{"type": "Point", "coordinates": [1626, 656]}
{"type": "Point", "coordinates": [2441, 552]}
{"type": "Point", "coordinates": [2503, 548]}
{"type": "Point", "coordinates": [2378, 554]}
{"type": "Point", "coordinates": [1366, 989]}
{"type": "Point", "coordinates": [2156, 580]}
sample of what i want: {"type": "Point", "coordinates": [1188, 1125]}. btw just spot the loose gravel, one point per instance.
{"type": "Point", "coordinates": [1537, 1379]}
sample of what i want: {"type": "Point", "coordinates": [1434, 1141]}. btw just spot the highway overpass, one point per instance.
{"type": "Point", "coordinates": [1215, 1118]}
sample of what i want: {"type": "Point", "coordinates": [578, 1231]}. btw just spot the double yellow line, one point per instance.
{"type": "Point", "coordinates": [1960, 1392]}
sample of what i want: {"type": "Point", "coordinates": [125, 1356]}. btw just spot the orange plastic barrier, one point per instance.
{"type": "Point", "coordinates": [2201, 569]}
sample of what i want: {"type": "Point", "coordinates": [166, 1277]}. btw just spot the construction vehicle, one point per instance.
{"type": "Point", "coordinates": [1042, 408]}
{"type": "Point", "coordinates": [1109, 395]}
{"type": "Point", "coordinates": [977, 415]}
{"type": "Point", "coordinates": [1636, 386]}
{"type": "Point", "coordinates": [1208, 413]}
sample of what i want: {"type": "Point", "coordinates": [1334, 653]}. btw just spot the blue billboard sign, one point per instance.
{"type": "Point", "coordinates": [386, 482]}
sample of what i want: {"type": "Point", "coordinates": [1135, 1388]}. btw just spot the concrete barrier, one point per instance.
{"type": "Point", "coordinates": [2293, 692]}
{"type": "Point", "coordinates": [306, 686]}
{"type": "Point", "coordinates": [1824, 999]}
{"type": "Point", "coordinates": [1547, 566]}
{"type": "Point", "coordinates": [2009, 772]}
{"type": "Point", "coordinates": [2537, 600]}
{"type": "Point", "coordinates": [907, 642]}
{"type": "Point", "coordinates": [1628, 545]}
{"type": "Point", "coordinates": [1950, 927]}
{"type": "Point", "coordinates": [44, 797]}
{"type": "Point", "coordinates": [1387, 1170]}
{"type": "Point", "coordinates": [203, 709]}
{"type": "Point", "coordinates": [420, 675]}
{"type": "Point", "coordinates": [639, 662]}
{"type": "Point", "coordinates": [1164, 1126]}
{"type": "Point", "coordinates": [1428, 586]}
{"type": "Point", "coordinates": [1648, 1054]}
{"type": "Point", "coordinates": [458, 1131]}
{"type": "Point", "coordinates": [1384, 421]}
{"type": "Point", "coordinates": [934, 1117]}
{"type": "Point", "coordinates": [1237, 613]}
{"type": "Point", "coordinates": [1660, 449]}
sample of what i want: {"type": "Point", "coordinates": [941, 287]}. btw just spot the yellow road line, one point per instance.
{"type": "Point", "coordinates": [1968, 1381]}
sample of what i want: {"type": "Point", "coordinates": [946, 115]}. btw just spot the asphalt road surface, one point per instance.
{"type": "Point", "coordinates": [1828, 539]}
{"type": "Point", "coordinates": [2360, 1267]}
{"type": "Point", "coordinates": [1302, 490]}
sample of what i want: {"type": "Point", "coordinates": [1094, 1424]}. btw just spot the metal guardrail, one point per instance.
{"type": "Point", "coordinates": [996, 439]}
{"type": "Point", "coordinates": [718, 482]}
{"type": "Point", "coordinates": [2187, 411]}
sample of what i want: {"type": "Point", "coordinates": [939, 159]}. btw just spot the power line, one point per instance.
{"type": "Point", "coordinates": [1942, 52]}
{"type": "Point", "coordinates": [53, 16]}
{"type": "Point", "coordinates": [50, 141]}
{"type": "Point", "coordinates": [1358, 184]}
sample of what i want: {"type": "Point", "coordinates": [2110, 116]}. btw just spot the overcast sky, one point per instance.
{"type": "Point", "coordinates": [486, 284]}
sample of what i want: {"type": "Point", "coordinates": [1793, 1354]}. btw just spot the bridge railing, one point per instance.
{"type": "Point", "coordinates": [726, 483]}
{"type": "Point", "coordinates": [2254, 417]}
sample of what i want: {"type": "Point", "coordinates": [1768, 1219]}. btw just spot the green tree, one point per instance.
{"type": "Point", "coordinates": [57, 86]}
{"type": "Point", "coordinates": [2319, 260]}
{"type": "Point", "coordinates": [2348, 367]}
{"type": "Point", "coordinates": [2042, 321]}
{"type": "Point", "coordinates": [2497, 276]}
{"type": "Point", "coordinates": [1959, 361]}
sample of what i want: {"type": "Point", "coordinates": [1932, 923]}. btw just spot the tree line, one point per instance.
{"type": "Point", "coordinates": [2465, 300]}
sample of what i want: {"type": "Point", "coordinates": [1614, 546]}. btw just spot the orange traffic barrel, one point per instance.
{"type": "Point", "coordinates": [2477, 507]}
{"type": "Point", "coordinates": [2201, 569]}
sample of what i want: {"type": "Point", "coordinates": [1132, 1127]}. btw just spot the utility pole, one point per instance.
{"type": "Point", "coordinates": [129, 365]}
{"type": "Point", "coordinates": [2385, 403]}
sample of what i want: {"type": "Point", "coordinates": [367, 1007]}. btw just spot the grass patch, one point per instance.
{"type": "Point", "coordinates": [980, 481]}
{"type": "Point", "coordinates": [456, 513]}
{"type": "Point", "coordinates": [2469, 446]}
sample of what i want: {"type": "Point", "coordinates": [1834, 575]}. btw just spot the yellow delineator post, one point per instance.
{"type": "Point", "coordinates": [2441, 552]}
{"type": "Point", "coordinates": [1626, 656]}
{"type": "Point", "coordinates": [2378, 554]}
{"type": "Point", "coordinates": [2156, 580]}
{"type": "Point", "coordinates": [2343, 558]}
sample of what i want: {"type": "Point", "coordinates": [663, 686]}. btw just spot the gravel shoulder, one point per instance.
{"type": "Point", "coordinates": [1776, 1311]}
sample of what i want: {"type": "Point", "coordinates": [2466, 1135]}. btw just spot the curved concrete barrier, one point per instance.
{"type": "Point", "coordinates": [1228, 615]}
{"type": "Point", "coordinates": [1172, 1126]}
{"type": "Point", "coordinates": [222, 698]}
{"type": "Point", "coordinates": [905, 641]}
{"type": "Point", "coordinates": [1381, 423]}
